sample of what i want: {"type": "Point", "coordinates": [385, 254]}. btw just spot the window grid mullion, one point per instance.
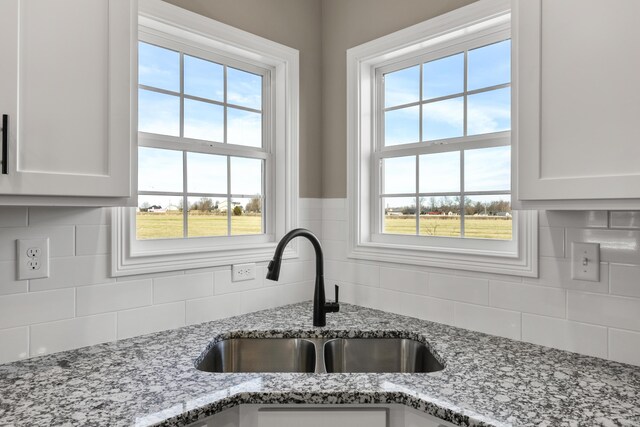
{"type": "Point", "coordinates": [228, 195]}
{"type": "Point", "coordinates": [185, 199]}
{"type": "Point", "coordinates": [465, 133]}
{"type": "Point", "coordinates": [417, 195]}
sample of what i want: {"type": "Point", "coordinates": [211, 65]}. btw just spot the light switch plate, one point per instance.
{"type": "Point", "coordinates": [33, 258]}
{"type": "Point", "coordinates": [585, 261]}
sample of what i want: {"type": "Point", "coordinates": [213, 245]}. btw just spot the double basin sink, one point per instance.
{"type": "Point", "coordinates": [374, 355]}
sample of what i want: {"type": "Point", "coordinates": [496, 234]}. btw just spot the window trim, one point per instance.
{"type": "Point", "coordinates": [479, 19]}
{"type": "Point", "coordinates": [128, 257]}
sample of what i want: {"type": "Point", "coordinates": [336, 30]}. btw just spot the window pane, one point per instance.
{"type": "Point", "coordinates": [244, 127]}
{"type": "Point", "coordinates": [246, 176]}
{"type": "Point", "coordinates": [487, 169]}
{"type": "Point", "coordinates": [204, 79]}
{"type": "Point", "coordinates": [489, 112]}
{"type": "Point", "coordinates": [206, 173]}
{"type": "Point", "coordinates": [159, 217]}
{"type": "Point", "coordinates": [158, 67]}
{"type": "Point", "coordinates": [244, 89]}
{"type": "Point", "coordinates": [402, 126]}
{"type": "Point", "coordinates": [203, 121]}
{"type": "Point", "coordinates": [402, 87]}
{"type": "Point", "coordinates": [399, 175]}
{"type": "Point", "coordinates": [399, 215]}
{"type": "Point", "coordinates": [440, 172]}
{"type": "Point", "coordinates": [158, 113]}
{"type": "Point", "coordinates": [488, 217]}
{"type": "Point", "coordinates": [443, 119]}
{"type": "Point", "coordinates": [207, 216]}
{"type": "Point", "coordinates": [443, 77]}
{"type": "Point", "coordinates": [489, 65]}
{"type": "Point", "coordinates": [440, 216]}
{"type": "Point", "coordinates": [244, 221]}
{"type": "Point", "coordinates": [159, 170]}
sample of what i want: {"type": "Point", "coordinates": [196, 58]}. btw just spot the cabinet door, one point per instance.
{"type": "Point", "coordinates": [577, 84]}
{"type": "Point", "coordinates": [65, 83]}
{"type": "Point", "coordinates": [323, 418]}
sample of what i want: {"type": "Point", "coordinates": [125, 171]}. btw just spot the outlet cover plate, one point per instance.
{"type": "Point", "coordinates": [33, 258]}
{"type": "Point", "coordinates": [242, 272]}
{"type": "Point", "coordinates": [585, 261]}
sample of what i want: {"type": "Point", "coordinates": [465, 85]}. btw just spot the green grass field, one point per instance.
{"type": "Point", "coordinates": [169, 225]}
{"type": "Point", "coordinates": [475, 227]}
{"type": "Point", "coordinates": [164, 226]}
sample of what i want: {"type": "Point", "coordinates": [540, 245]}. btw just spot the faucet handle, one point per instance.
{"type": "Point", "coordinates": [337, 289]}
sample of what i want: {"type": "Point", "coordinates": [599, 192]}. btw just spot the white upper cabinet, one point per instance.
{"type": "Point", "coordinates": [67, 70]}
{"type": "Point", "coordinates": [577, 90]}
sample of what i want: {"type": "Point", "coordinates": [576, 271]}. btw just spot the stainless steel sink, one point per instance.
{"type": "Point", "coordinates": [379, 355]}
{"type": "Point", "coordinates": [319, 355]}
{"type": "Point", "coordinates": [260, 355]}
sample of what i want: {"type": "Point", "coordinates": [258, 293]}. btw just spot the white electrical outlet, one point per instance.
{"type": "Point", "coordinates": [585, 261]}
{"type": "Point", "coordinates": [33, 258]}
{"type": "Point", "coordinates": [240, 272]}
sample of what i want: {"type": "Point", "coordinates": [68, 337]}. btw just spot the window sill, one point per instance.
{"type": "Point", "coordinates": [520, 261]}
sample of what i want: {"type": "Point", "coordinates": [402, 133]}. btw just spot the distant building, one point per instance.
{"type": "Point", "coordinates": [222, 206]}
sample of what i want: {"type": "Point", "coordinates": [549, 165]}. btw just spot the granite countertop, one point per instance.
{"type": "Point", "coordinates": [151, 380]}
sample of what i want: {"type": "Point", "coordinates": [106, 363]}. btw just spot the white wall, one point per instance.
{"type": "Point", "coordinates": [80, 305]}
{"type": "Point", "coordinates": [599, 319]}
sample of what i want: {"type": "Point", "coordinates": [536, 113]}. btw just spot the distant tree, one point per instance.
{"type": "Point", "coordinates": [254, 205]}
{"type": "Point", "coordinates": [237, 210]}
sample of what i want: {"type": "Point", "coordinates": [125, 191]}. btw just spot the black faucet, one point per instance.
{"type": "Point", "coordinates": [320, 306]}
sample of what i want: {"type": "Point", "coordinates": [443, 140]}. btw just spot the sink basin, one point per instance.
{"type": "Point", "coordinates": [379, 355]}
{"type": "Point", "coordinates": [260, 355]}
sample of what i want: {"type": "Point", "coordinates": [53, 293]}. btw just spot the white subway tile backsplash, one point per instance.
{"type": "Point", "coordinates": [606, 310]}
{"type": "Point", "coordinates": [8, 279]}
{"type": "Point", "coordinates": [489, 320]}
{"type": "Point", "coordinates": [565, 335]}
{"type": "Point", "coordinates": [224, 284]}
{"type": "Point", "coordinates": [360, 274]}
{"type": "Point", "coordinates": [528, 299]}
{"type": "Point", "coordinates": [624, 219]}
{"type": "Point", "coordinates": [61, 240]}
{"type": "Point", "coordinates": [212, 308]}
{"type": "Point", "coordinates": [551, 242]}
{"type": "Point", "coordinates": [556, 272]}
{"type": "Point", "coordinates": [92, 239]}
{"type": "Point", "coordinates": [465, 289]}
{"type": "Point", "coordinates": [595, 219]}
{"type": "Point", "coordinates": [366, 296]}
{"type": "Point", "coordinates": [621, 246]}
{"type": "Point", "coordinates": [295, 292]}
{"type": "Point", "coordinates": [334, 230]}
{"type": "Point", "coordinates": [36, 307]}
{"type": "Point", "coordinates": [79, 239]}
{"type": "Point", "coordinates": [404, 280]}
{"type": "Point", "coordinates": [113, 297]}
{"type": "Point", "coordinates": [150, 319]}
{"type": "Point", "coordinates": [624, 346]}
{"type": "Point", "coordinates": [334, 249]}
{"type": "Point", "coordinates": [13, 216]}
{"type": "Point", "coordinates": [260, 299]}
{"type": "Point", "coordinates": [52, 337]}
{"type": "Point", "coordinates": [58, 215]}
{"type": "Point", "coordinates": [422, 307]}
{"type": "Point", "coordinates": [181, 287]}
{"type": "Point", "coordinates": [14, 344]}
{"type": "Point", "coordinates": [625, 280]}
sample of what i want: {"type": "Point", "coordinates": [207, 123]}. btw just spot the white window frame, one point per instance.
{"type": "Point", "coordinates": [484, 20]}
{"type": "Point", "coordinates": [173, 27]}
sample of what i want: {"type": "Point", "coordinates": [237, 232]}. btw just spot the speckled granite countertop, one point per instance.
{"type": "Point", "coordinates": [151, 380]}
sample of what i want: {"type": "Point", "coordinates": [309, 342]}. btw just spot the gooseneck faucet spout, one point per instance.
{"type": "Point", "coordinates": [320, 306]}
